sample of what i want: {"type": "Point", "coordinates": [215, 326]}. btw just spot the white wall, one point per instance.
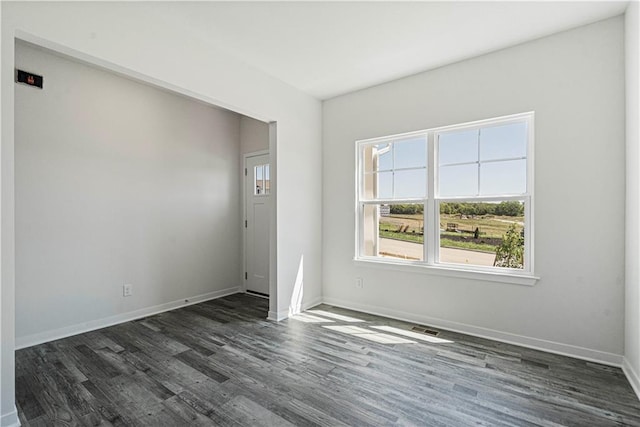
{"type": "Point", "coordinates": [632, 223]}
{"type": "Point", "coordinates": [118, 182]}
{"type": "Point", "coordinates": [154, 52]}
{"type": "Point", "coordinates": [254, 135]}
{"type": "Point", "coordinates": [574, 81]}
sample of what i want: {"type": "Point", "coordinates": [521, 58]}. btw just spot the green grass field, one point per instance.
{"type": "Point", "coordinates": [407, 237]}
{"type": "Point", "coordinates": [410, 228]}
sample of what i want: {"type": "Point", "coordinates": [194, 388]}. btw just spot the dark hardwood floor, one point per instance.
{"type": "Point", "coordinates": [221, 363]}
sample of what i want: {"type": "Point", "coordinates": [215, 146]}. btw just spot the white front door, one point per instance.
{"type": "Point", "coordinates": [257, 208]}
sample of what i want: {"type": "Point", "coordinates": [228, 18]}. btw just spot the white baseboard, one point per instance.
{"type": "Point", "coordinates": [10, 419]}
{"type": "Point", "coordinates": [56, 334]}
{"type": "Point", "coordinates": [588, 354]}
{"type": "Point", "coordinates": [312, 303]}
{"type": "Point", "coordinates": [278, 316]}
{"type": "Point", "coordinates": [632, 376]}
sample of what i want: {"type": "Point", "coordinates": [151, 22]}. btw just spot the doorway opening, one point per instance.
{"type": "Point", "coordinates": [257, 222]}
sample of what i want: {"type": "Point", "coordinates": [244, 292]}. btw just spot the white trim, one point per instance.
{"type": "Point", "coordinates": [632, 376]}
{"type": "Point", "coordinates": [245, 218]}
{"type": "Point", "coordinates": [358, 226]}
{"type": "Point", "coordinates": [92, 325]}
{"type": "Point", "coordinates": [273, 226]}
{"type": "Point", "coordinates": [277, 316]}
{"type": "Point", "coordinates": [243, 179]}
{"type": "Point", "coordinates": [449, 270]}
{"type": "Point", "coordinates": [430, 229]}
{"type": "Point", "coordinates": [431, 247]}
{"type": "Point", "coordinates": [482, 199]}
{"type": "Point", "coordinates": [284, 314]}
{"type": "Point", "coordinates": [577, 352]}
{"type": "Point", "coordinates": [305, 306]}
{"type": "Point", "coordinates": [10, 419]}
{"type": "Point", "coordinates": [310, 304]}
{"type": "Point", "coordinates": [529, 223]}
{"type": "Point", "coordinates": [441, 129]}
{"type": "Point", "coordinates": [510, 118]}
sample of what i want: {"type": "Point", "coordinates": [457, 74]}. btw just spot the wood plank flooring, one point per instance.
{"type": "Point", "coordinates": [221, 363]}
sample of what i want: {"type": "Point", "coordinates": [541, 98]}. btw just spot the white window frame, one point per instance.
{"type": "Point", "coordinates": [431, 202]}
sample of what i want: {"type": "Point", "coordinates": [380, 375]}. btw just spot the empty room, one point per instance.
{"type": "Point", "coordinates": [320, 213]}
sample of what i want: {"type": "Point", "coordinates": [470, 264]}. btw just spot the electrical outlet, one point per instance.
{"type": "Point", "coordinates": [127, 290]}
{"type": "Point", "coordinates": [359, 282]}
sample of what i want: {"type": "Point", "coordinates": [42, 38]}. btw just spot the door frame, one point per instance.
{"type": "Point", "coordinates": [244, 178]}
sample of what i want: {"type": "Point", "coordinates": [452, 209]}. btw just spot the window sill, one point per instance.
{"type": "Point", "coordinates": [447, 271]}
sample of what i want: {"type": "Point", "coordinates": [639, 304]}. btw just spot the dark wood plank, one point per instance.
{"type": "Point", "coordinates": [30, 408]}
{"type": "Point", "coordinates": [221, 363]}
{"type": "Point", "coordinates": [200, 363]}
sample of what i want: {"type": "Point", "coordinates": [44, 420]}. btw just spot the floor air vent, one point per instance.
{"type": "Point", "coordinates": [425, 330]}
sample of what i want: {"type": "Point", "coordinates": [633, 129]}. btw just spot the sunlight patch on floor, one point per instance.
{"type": "Point", "coordinates": [413, 335]}
{"type": "Point", "coordinates": [307, 318]}
{"type": "Point", "coordinates": [334, 316]}
{"type": "Point", "coordinates": [370, 335]}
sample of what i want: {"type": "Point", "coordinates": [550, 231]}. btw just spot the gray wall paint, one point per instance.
{"type": "Point", "coordinates": [254, 135]}
{"type": "Point", "coordinates": [574, 81]}
{"type": "Point", "coordinates": [118, 182]}
{"type": "Point", "coordinates": [632, 229]}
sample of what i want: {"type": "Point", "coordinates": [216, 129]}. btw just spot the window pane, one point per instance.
{"type": "Point", "coordinates": [507, 177]}
{"type": "Point", "coordinates": [482, 234]}
{"type": "Point", "coordinates": [384, 157]}
{"type": "Point", "coordinates": [258, 174]}
{"type": "Point", "coordinates": [383, 182]}
{"type": "Point", "coordinates": [461, 180]}
{"type": "Point", "coordinates": [458, 147]}
{"type": "Point", "coordinates": [410, 153]}
{"type": "Point", "coordinates": [503, 142]}
{"type": "Point", "coordinates": [393, 231]}
{"type": "Point", "coordinates": [410, 183]}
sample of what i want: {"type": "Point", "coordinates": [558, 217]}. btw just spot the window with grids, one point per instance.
{"type": "Point", "coordinates": [458, 196]}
